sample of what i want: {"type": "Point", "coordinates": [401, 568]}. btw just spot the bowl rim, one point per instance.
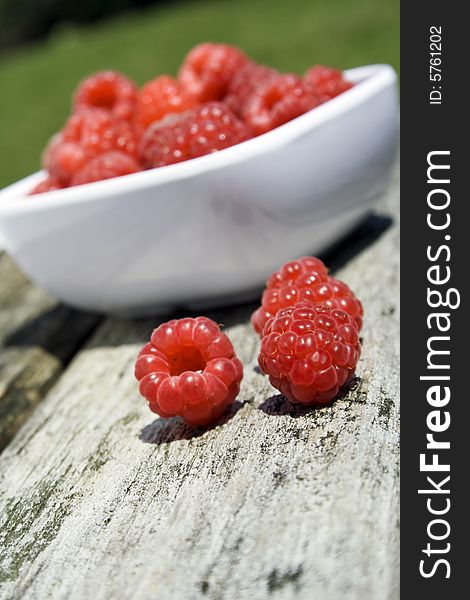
{"type": "Point", "coordinates": [368, 79]}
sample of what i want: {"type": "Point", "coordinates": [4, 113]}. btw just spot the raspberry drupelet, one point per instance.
{"type": "Point", "coordinates": [189, 369]}
{"type": "Point", "coordinates": [108, 90]}
{"type": "Point", "coordinates": [160, 97]}
{"type": "Point", "coordinates": [326, 83]}
{"type": "Point", "coordinates": [208, 69]}
{"type": "Point", "coordinates": [309, 352]}
{"type": "Point", "coordinates": [278, 101]}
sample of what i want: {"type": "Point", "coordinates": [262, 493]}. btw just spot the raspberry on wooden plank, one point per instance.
{"type": "Point", "coordinates": [189, 369]}
{"type": "Point", "coordinates": [309, 352]}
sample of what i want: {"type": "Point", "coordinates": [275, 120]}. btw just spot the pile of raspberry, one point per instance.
{"type": "Point", "coordinates": [309, 324]}
{"type": "Point", "coordinates": [219, 98]}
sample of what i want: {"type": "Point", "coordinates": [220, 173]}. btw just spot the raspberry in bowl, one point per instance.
{"type": "Point", "coordinates": [207, 231]}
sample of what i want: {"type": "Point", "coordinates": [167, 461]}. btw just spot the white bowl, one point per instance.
{"type": "Point", "coordinates": [210, 230]}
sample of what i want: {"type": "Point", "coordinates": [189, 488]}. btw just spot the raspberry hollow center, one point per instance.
{"type": "Point", "coordinates": [189, 369]}
{"type": "Point", "coordinates": [186, 359]}
{"type": "Point", "coordinates": [104, 95]}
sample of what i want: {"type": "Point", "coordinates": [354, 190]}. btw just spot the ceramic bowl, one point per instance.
{"type": "Point", "coordinates": [210, 230]}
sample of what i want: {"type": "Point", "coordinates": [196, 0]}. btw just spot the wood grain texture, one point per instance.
{"type": "Point", "coordinates": [37, 338]}
{"type": "Point", "coordinates": [101, 500]}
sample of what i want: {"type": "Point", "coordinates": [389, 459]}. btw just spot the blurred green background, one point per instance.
{"type": "Point", "coordinates": [37, 79]}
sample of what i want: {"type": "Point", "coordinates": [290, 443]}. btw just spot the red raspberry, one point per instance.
{"type": "Point", "coordinates": [311, 290]}
{"type": "Point", "coordinates": [245, 83]}
{"type": "Point", "coordinates": [205, 129]}
{"type": "Point", "coordinates": [98, 131]}
{"type": "Point", "coordinates": [63, 158]}
{"type": "Point", "coordinates": [279, 100]}
{"type": "Point", "coordinates": [164, 143]}
{"type": "Point", "coordinates": [86, 134]}
{"type": "Point", "coordinates": [282, 287]}
{"type": "Point", "coordinates": [326, 83]}
{"type": "Point", "coordinates": [213, 127]}
{"type": "Point", "coordinates": [309, 352]}
{"type": "Point", "coordinates": [160, 97]}
{"type": "Point", "coordinates": [298, 271]}
{"type": "Point", "coordinates": [189, 369]}
{"type": "Point", "coordinates": [46, 185]}
{"type": "Point", "coordinates": [208, 69]}
{"type": "Point", "coordinates": [108, 90]}
{"type": "Point", "coordinates": [105, 166]}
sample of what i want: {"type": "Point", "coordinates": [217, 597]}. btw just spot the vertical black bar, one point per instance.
{"type": "Point", "coordinates": [426, 243]}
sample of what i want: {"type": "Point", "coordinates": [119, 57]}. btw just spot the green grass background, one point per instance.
{"type": "Point", "coordinates": [36, 82]}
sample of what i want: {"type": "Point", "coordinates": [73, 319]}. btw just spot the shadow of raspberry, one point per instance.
{"type": "Point", "coordinates": [279, 405]}
{"type": "Point", "coordinates": [166, 431]}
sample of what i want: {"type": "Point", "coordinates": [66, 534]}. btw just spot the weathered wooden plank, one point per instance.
{"type": "Point", "coordinates": [100, 500]}
{"type": "Point", "coordinates": [37, 337]}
